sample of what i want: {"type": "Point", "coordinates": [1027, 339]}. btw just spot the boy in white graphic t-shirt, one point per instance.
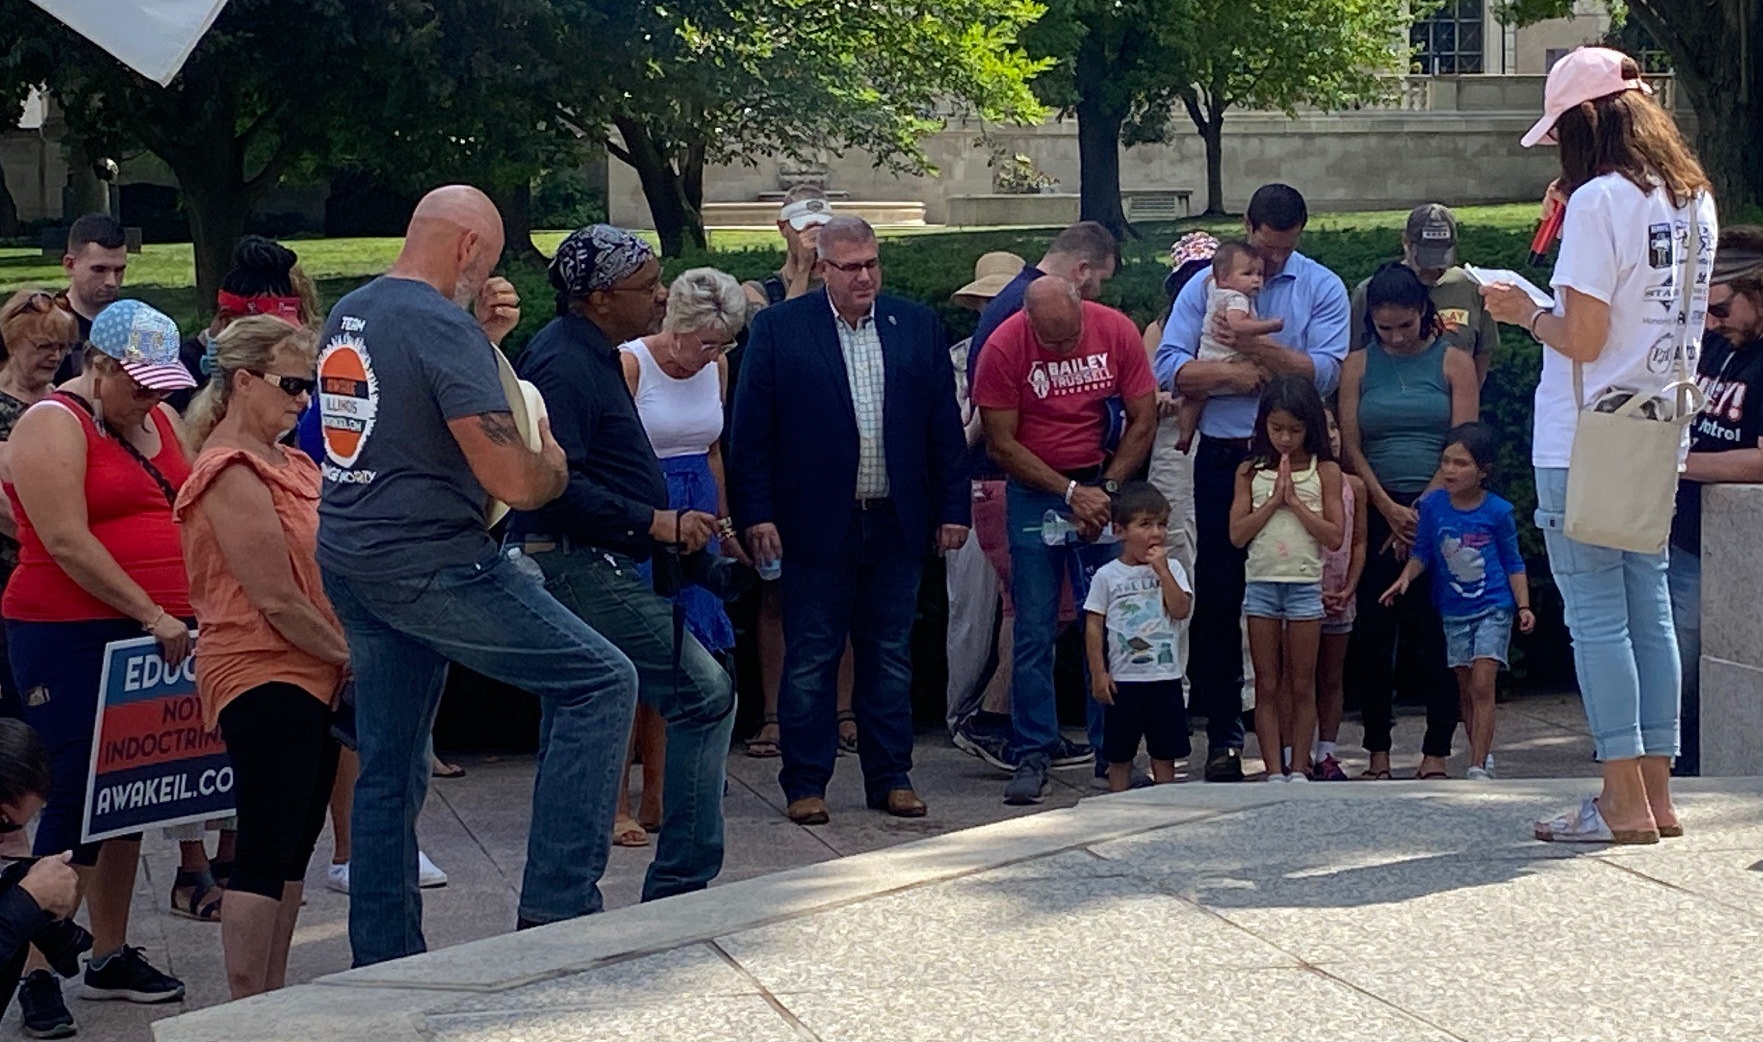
{"type": "Point", "coordinates": [1136, 634]}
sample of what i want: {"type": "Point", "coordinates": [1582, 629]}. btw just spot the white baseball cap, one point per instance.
{"type": "Point", "coordinates": [805, 212]}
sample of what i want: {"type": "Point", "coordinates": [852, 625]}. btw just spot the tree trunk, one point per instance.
{"type": "Point", "coordinates": [218, 211]}
{"type": "Point", "coordinates": [1213, 135]}
{"type": "Point", "coordinates": [1714, 50]}
{"type": "Point", "coordinates": [677, 221]}
{"type": "Point", "coordinates": [8, 209]}
{"type": "Point", "coordinates": [516, 206]}
{"type": "Point", "coordinates": [1098, 158]}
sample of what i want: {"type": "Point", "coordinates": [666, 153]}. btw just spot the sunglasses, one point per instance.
{"type": "Point", "coordinates": [292, 386]}
{"type": "Point", "coordinates": [1722, 310]}
{"type": "Point", "coordinates": [41, 304]}
{"type": "Point", "coordinates": [8, 826]}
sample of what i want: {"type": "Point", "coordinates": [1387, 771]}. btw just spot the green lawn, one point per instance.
{"type": "Point", "coordinates": [165, 273]}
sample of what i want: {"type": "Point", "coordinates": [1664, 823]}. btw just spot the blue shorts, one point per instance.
{"type": "Point", "coordinates": [1293, 602]}
{"type": "Point", "coordinates": [1468, 638]}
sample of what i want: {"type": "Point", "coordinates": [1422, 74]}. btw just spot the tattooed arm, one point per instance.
{"type": "Point", "coordinates": [504, 466]}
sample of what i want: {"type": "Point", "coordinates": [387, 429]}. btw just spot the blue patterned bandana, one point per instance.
{"type": "Point", "coordinates": [597, 257]}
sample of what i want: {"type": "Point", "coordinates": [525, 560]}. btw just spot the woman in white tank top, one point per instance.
{"type": "Point", "coordinates": [678, 378]}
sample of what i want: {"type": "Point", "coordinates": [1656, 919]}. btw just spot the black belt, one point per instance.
{"type": "Point", "coordinates": [541, 543]}
{"type": "Point", "coordinates": [877, 503]}
{"type": "Point", "coordinates": [1083, 475]}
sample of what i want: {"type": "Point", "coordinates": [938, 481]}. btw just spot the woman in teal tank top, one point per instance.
{"type": "Point", "coordinates": [1399, 396]}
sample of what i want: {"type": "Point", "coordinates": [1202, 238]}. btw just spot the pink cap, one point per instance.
{"type": "Point", "coordinates": [1585, 74]}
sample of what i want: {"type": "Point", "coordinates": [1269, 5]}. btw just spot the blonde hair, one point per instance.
{"type": "Point", "coordinates": [251, 342]}
{"type": "Point", "coordinates": [33, 314]}
{"type": "Point", "coordinates": [307, 291]}
{"type": "Point", "coordinates": [705, 298]}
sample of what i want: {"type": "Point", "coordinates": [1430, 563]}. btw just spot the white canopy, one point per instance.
{"type": "Point", "coordinates": [153, 37]}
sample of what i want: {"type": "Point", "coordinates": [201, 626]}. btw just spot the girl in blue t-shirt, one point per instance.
{"type": "Point", "coordinates": [1468, 536]}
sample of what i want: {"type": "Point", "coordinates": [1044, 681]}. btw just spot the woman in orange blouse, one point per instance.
{"type": "Point", "coordinates": [273, 655]}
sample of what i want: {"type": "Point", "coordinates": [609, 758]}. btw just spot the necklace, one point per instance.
{"type": "Point", "coordinates": [1399, 362]}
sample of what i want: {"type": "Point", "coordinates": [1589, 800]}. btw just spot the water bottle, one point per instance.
{"type": "Point", "coordinates": [770, 570]}
{"type": "Point", "coordinates": [1057, 530]}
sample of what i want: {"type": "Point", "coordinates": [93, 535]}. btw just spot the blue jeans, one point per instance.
{"type": "Point", "coordinates": [494, 618]}
{"type": "Point", "coordinates": [868, 595]}
{"type": "Point", "coordinates": [1036, 573]}
{"type": "Point", "coordinates": [610, 593]}
{"type": "Point", "coordinates": [1624, 647]}
{"type": "Point", "coordinates": [1685, 579]}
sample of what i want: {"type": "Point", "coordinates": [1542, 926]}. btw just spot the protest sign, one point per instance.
{"type": "Point", "coordinates": [153, 762]}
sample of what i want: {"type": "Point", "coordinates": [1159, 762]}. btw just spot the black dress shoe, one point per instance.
{"type": "Point", "coordinates": [1225, 765]}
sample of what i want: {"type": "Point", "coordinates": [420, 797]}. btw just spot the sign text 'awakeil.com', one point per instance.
{"type": "Point", "coordinates": [153, 763]}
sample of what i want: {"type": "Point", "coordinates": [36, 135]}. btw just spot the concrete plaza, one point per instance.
{"type": "Point", "coordinates": [1327, 856]}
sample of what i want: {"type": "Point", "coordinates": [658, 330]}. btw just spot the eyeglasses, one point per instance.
{"type": "Point", "coordinates": [292, 386]}
{"type": "Point", "coordinates": [60, 347]}
{"type": "Point", "coordinates": [1722, 310]}
{"type": "Point", "coordinates": [8, 826]}
{"type": "Point", "coordinates": [856, 267]}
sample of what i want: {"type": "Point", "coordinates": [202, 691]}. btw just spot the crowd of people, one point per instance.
{"type": "Point", "coordinates": [1289, 477]}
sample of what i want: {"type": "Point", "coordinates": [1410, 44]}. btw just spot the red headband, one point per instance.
{"type": "Point", "coordinates": [285, 308]}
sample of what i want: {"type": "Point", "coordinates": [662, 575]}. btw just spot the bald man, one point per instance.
{"type": "Point", "coordinates": [418, 436]}
{"type": "Point", "coordinates": [1042, 389]}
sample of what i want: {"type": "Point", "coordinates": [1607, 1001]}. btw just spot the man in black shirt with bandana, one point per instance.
{"type": "Point", "coordinates": [613, 516]}
{"type": "Point", "coordinates": [1726, 446]}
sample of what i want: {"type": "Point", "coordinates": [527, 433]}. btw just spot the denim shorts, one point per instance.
{"type": "Point", "coordinates": [1293, 602]}
{"type": "Point", "coordinates": [1468, 638]}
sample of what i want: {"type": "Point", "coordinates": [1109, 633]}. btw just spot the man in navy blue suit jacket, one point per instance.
{"type": "Point", "coordinates": [847, 450]}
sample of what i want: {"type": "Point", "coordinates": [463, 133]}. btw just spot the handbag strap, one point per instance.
{"type": "Point", "coordinates": [1685, 391]}
{"type": "Point", "coordinates": [165, 487]}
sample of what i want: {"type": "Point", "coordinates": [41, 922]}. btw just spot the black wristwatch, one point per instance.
{"type": "Point", "coordinates": [1110, 486]}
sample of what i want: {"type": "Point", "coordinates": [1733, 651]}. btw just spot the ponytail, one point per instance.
{"type": "Point", "coordinates": [246, 343]}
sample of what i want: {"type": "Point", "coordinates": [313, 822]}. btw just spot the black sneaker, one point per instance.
{"type": "Point", "coordinates": [126, 976]}
{"type": "Point", "coordinates": [1225, 765]}
{"type": "Point", "coordinates": [45, 1014]}
{"type": "Point", "coordinates": [1071, 754]}
{"type": "Point", "coordinates": [991, 746]}
{"type": "Point", "coordinates": [1029, 786]}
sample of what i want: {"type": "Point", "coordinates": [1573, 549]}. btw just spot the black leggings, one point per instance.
{"type": "Point", "coordinates": [1399, 650]}
{"type": "Point", "coordinates": [284, 761]}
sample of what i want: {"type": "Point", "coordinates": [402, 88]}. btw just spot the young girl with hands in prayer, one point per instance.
{"type": "Point", "coordinates": [1136, 636]}
{"type": "Point", "coordinates": [1287, 509]}
{"type": "Point", "coordinates": [1468, 536]}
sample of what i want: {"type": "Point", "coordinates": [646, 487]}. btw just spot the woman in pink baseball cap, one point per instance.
{"type": "Point", "coordinates": [1639, 211]}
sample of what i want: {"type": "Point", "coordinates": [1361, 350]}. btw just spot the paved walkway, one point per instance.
{"type": "Point", "coordinates": [475, 828]}
{"type": "Point", "coordinates": [1403, 911]}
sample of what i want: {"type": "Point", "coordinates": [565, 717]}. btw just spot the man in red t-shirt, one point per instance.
{"type": "Point", "coordinates": [1042, 389]}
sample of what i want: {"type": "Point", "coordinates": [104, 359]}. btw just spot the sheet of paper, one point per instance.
{"type": "Point", "coordinates": [1489, 276]}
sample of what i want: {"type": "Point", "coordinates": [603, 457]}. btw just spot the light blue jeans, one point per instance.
{"type": "Point", "coordinates": [496, 618]}
{"type": "Point", "coordinates": [1624, 647]}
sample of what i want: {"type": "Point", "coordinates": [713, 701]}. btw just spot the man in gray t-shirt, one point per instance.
{"type": "Point", "coordinates": [400, 362]}
{"type": "Point", "coordinates": [417, 435]}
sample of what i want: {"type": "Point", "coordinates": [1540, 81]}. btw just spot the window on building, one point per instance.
{"type": "Point", "coordinates": [1552, 55]}
{"type": "Point", "coordinates": [1449, 42]}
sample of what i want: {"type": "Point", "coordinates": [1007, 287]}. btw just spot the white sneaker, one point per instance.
{"type": "Point", "coordinates": [428, 876]}
{"type": "Point", "coordinates": [1478, 774]}
{"type": "Point", "coordinates": [1277, 779]}
{"type": "Point", "coordinates": [1295, 777]}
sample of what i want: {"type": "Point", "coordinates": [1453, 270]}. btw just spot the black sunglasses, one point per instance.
{"type": "Point", "coordinates": [1722, 310]}
{"type": "Point", "coordinates": [292, 386]}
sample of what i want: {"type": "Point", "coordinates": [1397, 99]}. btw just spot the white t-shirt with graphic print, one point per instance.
{"type": "Point", "coordinates": [1143, 642]}
{"type": "Point", "coordinates": [1622, 246]}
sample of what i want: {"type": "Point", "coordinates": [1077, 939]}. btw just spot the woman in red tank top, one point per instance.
{"type": "Point", "coordinates": [93, 472]}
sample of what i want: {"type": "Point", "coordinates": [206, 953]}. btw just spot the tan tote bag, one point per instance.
{"type": "Point", "coordinates": [1622, 478]}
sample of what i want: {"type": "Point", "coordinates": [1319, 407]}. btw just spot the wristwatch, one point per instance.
{"type": "Point", "coordinates": [1110, 486]}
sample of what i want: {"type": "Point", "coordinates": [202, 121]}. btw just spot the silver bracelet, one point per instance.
{"type": "Point", "coordinates": [1069, 489]}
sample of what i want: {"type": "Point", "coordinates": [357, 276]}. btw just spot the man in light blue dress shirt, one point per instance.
{"type": "Point", "coordinates": [1312, 303]}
